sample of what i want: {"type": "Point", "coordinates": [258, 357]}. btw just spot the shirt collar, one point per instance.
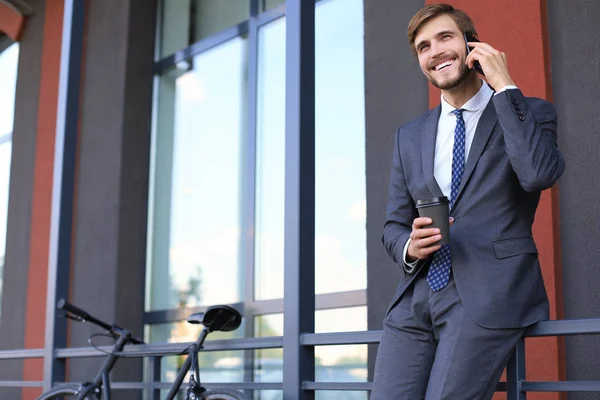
{"type": "Point", "coordinates": [475, 103]}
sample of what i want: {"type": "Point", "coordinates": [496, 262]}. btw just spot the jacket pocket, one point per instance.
{"type": "Point", "coordinates": [515, 246]}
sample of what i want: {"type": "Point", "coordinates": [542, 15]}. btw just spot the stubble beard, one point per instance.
{"type": "Point", "coordinates": [463, 72]}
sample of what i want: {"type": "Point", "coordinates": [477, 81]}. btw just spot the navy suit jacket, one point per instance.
{"type": "Point", "coordinates": [513, 157]}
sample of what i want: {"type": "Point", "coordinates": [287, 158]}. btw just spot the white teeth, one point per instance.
{"type": "Point", "coordinates": [444, 64]}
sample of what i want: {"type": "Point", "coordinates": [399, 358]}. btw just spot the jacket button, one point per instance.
{"type": "Point", "coordinates": [520, 112]}
{"type": "Point", "coordinates": [514, 101]}
{"type": "Point", "coordinates": [522, 118]}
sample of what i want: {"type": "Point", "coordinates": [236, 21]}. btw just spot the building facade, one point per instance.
{"type": "Point", "coordinates": [164, 183]}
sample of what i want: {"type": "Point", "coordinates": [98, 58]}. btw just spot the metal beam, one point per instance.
{"type": "Point", "coordinates": [21, 384]}
{"type": "Point", "coordinates": [18, 354]}
{"type": "Point", "coordinates": [63, 185]}
{"type": "Point", "coordinates": [170, 349]}
{"type": "Point", "coordinates": [340, 338]}
{"type": "Point", "coordinates": [299, 248]}
{"type": "Point", "coordinates": [572, 386]}
{"type": "Point", "coordinates": [567, 327]}
{"type": "Point", "coordinates": [355, 386]}
{"type": "Point", "coordinates": [248, 235]}
{"type": "Point", "coordinates": [207, 385]}
{"type": "Point", "coordinates": [515, 373]}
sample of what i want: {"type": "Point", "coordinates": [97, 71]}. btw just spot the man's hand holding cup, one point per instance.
{"type": "Point", "coordinates": [430, 230]}
{"type": "Point", "coordinates": [424, 241]}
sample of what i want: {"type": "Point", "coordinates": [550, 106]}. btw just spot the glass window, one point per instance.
{"type": "Point", "coordinates": [195, 199]}
{"type": "Point", "coordinates": [175, 26]}
{"type": "Point", "coordinates": [347, 363]}
{"type": "Point", "coordinates": [340, 188]}
{"type": "Point", "coordinates": [270, 161]}
{"type": "Point", "coordinates": [9, 59]}
{"type": "Point", "coordinates": [212, 16]}
{"type": "Point", "coordinates": [187, 21]}
{"type": "Point", "coordinates": [340, 237]}
{"type": "Point", "coordinates": [268, 4]}
{"type": "Point", "coordinates": [5, 157]}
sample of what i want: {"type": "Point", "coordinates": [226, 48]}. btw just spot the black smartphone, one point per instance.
{"type": "Point", "coordinates": [470, 38]}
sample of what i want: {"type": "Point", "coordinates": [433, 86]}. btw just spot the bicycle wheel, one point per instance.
{"type": "Point", "coordinates": [222, 395]}
{"type": "Point", "coordinates": [65, 392]}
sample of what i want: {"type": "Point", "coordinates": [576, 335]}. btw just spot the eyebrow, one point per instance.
{"type": "Point", "coordinates": [441, 33]}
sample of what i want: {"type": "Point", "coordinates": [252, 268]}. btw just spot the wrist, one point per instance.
{"type": "Point", "coordinates": [410, 257]}
{"type": "Point", "coordinates": [504, 83]}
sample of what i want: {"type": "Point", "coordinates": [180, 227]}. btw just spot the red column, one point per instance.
{"type": "Point", "coordinates": [35, 319]}
{"type": "Point", "coordinates": [11, 22]}
{"type": "Point", "coordinates": [520, 29]}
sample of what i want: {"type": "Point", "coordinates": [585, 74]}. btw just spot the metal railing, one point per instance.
{"type": "Point", "coordinates": [516, 384]}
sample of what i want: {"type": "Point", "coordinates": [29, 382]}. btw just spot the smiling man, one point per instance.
{"type": "Point", "coordinates": [460, 308]}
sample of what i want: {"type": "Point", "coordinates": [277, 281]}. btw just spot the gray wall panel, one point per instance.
{"type": "Point", "coordinates": [575, 52]}
{"type": "Point", "coordinates": [14, 291]}
{"type": "Point", "coordinates": [396, 92]}
{"type": "Point", "coordinates": [110, 235]}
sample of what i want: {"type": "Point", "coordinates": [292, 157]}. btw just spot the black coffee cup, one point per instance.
{"type": "Point", "coordinates": [438, 209]}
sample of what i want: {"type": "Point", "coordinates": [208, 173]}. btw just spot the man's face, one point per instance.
{"type": "Point", "coordinates": [441, 50]}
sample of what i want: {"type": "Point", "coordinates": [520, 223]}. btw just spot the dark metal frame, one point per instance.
{"type": "Point", "coordinates": [299, 264]}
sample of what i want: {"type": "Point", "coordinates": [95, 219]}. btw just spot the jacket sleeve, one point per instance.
{"type": "Point", "coordinates": [530, 139]}
{"type": "Point", "coordinates": [400, 210]}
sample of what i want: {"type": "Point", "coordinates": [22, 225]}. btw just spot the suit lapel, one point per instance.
{"type": "Point", "coordinates": [482, 133]}
{"type": "Point", "coordinates": [428, 136]}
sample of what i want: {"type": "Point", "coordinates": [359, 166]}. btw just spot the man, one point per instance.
{"type": "Point", "coordinates": [460, 308]}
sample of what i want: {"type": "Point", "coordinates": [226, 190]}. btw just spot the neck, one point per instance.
{"type": "Point", "coordinates": [464, 91]}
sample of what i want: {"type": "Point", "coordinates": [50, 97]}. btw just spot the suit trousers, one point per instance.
{"type": "Point", "coordinates": [432, 349]}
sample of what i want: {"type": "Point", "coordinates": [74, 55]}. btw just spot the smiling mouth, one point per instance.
{"type": "Point", "coordinates": [444, 65]}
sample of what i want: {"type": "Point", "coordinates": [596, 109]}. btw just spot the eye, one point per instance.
{"type": "Point", "coordinates": [446, 36]}
{"type": "Point", "coordinates": [423, 48]}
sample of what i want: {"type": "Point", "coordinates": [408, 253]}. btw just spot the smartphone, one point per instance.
{"type": "Point", "coordinates": [470, 38]}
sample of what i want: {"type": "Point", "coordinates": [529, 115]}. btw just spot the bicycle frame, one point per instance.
{"type": "Point", "coordinates": [192, 357]}
{"type": "Point", "coordinates": [222, 318]}
{"type": "Point", "coordinates": [101, 380]}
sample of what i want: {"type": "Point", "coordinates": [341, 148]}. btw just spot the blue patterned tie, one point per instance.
{"type": "Point", "coordinates": [439, 271]}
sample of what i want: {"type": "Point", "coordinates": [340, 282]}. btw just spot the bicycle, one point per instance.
{"type": "Point", "coordinates": [215, 318]}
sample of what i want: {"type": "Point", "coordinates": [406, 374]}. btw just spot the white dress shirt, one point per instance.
{"type": "Point", "coordinates": [444, 142]}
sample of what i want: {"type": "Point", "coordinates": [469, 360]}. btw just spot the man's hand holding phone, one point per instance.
{"type": "Point", "coordinates": [422, 239]}
{"type": "Point", "coordinates": [492, 61]}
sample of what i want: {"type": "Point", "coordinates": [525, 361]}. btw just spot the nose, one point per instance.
{"type": "Point", "coordinates": [436, 49]}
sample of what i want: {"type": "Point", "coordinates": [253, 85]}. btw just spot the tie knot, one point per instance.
{"type": "Point", "coordinates": [458, 113]}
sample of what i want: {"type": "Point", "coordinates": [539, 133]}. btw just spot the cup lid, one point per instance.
{"type": "Point", "coordinates": [432, 201]}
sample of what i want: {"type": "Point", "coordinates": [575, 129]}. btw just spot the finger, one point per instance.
{"type": "Point", "coordinates": [483, 46]}
{"type": "Point", "coordinates": [477, 55]}
{"type": "Point", "coordinates": [420, 222]}
{"type": "Point", "coordinates": [428, 241]}
{"type": "Point", "coordinates": [470, 60]}
{"type": "Point", "coordinates": [489, 53]}
{"type": "Point", "coordinates": [473, 56]}
{"type": "Point", "coordinates": [425, 233]}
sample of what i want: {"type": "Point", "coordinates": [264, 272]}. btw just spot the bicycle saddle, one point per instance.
{"type": "Point", "coordinates": [217, 318]}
